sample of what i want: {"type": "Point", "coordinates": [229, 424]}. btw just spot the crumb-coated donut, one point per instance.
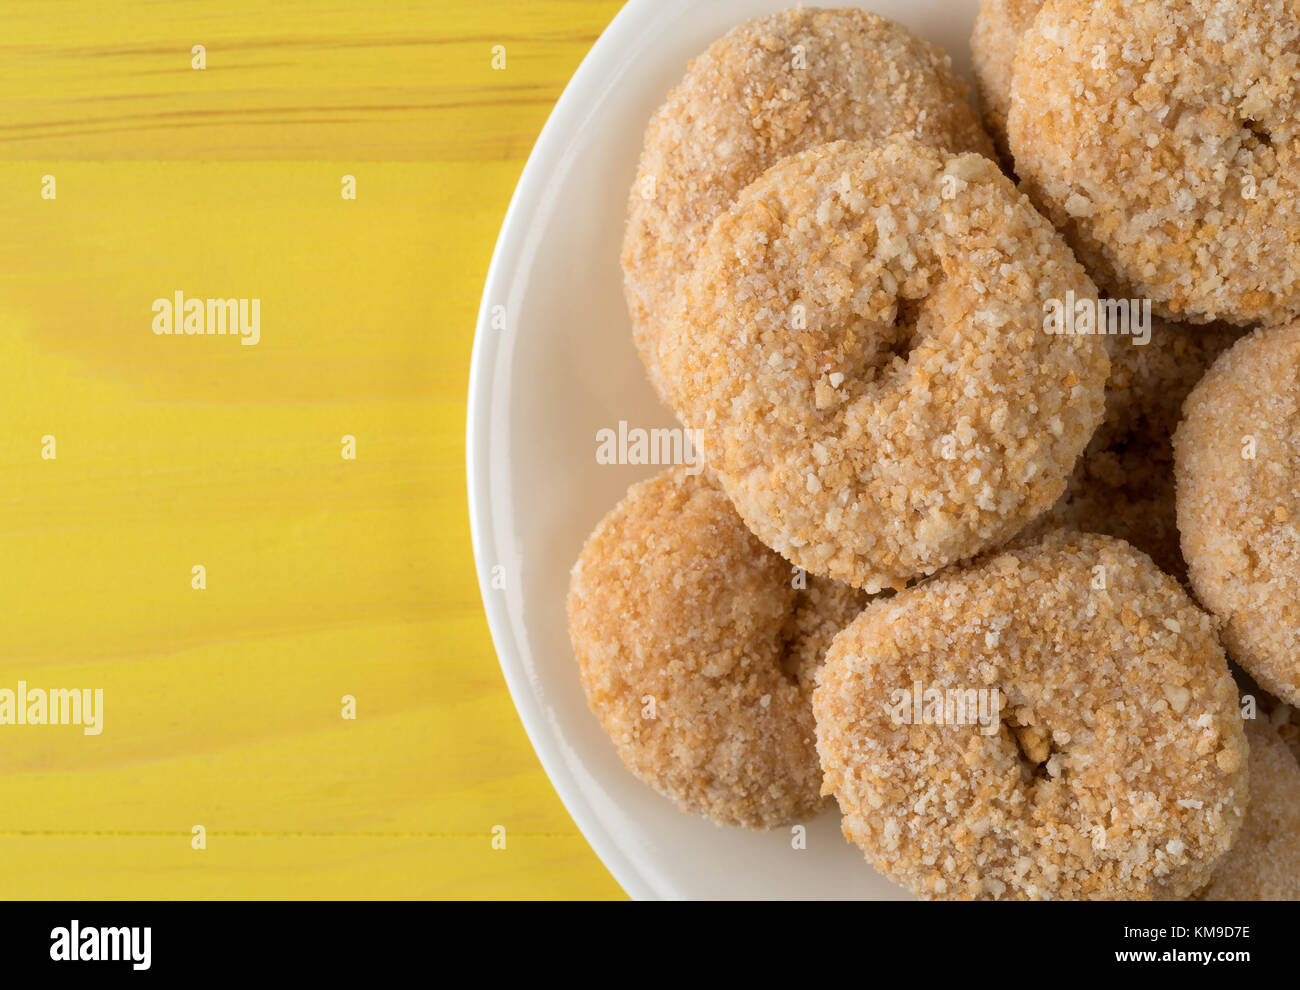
{"type": "Point", "coordinates": [1264, 864]}
{"type": "Point", "coordinates": [861, 347]}
{"type": "Point", "coordinates": [1124, 482]}
{"type": "Point", "coordinates": [697, 647]}
{"type": "Point", "coordinates": [1284, 718]}
{"type": "Point", "coordinates": [771, 87]}
{"type": "Point", "coordinates": [998, 29]}
{"type": "Point", "coordinates": [1163, 138]}
{"type": "Point", "coordinates": [1237, 463]}
{"type": "Point", "coordinates": [1117, 768]}
{"type": "Point", "coordinates": [1288, 729]}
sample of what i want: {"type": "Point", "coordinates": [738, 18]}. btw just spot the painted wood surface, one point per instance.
{"type": "Point", "coordinates": [324, 576]}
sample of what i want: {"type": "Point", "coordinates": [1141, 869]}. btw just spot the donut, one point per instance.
{"type": "Point", "coordinates": [769, 88]}
{"type": "Point", "coordinates": [861, 348]}
{"type": "Point", "coordinates": [1288, 730]}
{"type": "Point", "coordinates": [1236, 461]}
{"type": "Point", "coordinates": [1123, 485]}
{"type": "Point", "coordinates": [1162, 137]}
{"type": "Point", "coordinates": [697, 648]}
{"type": "Point", "coordinates": [1113, 767]}
{"type": "Point", "coordinates": [1284, 719]}
{"type": "Point", "coordinates": [998, 29]}
{"type": "Point", "coordinates": [1286, 722]}
{"type": "Point", "coordinates": [1264, 864]}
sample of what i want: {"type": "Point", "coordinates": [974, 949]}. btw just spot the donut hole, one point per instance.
{"type": "Point", "coordinates": [886, 345]}
{"type": "Point", "coordinates": [788, 654]}
{"type": "Point", "coordinates": [1251, 559]}
{"type": "Point", "coordinates": [849, 355]}
{"type": "Point", "coordinates": [815, 613]}
{"type": "Point", "coordinates": [793, 643]}
{"type": "Point", "coordinates": [904, 334]}
{"type": "Point", "coordinates": [1258, 132]}
{"type": "Point", "coordinates": [1033, 743]}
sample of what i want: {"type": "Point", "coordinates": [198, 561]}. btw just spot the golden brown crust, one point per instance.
{"type": "Point", "coordinates": [787, 353]}
{"type": "Point", "coordinates": [1123, 485]}
{"type": "Point", "coordinates": [998, 30]}
{"type": "Point", "coordinates": [1161, 138]}
{"type": "Point", "coordinates": [1264, 864]}
{"type": "Point", "coordinates": [696, 649]}
{"type": "Point", "coordinates": [1285, 720]}
{"type": "Point", "coordinates": [772, 87]}
{"type": "Point", "coordinates": [1237, 460]}
{"type": "Point", "coordinates": [1118, 769]}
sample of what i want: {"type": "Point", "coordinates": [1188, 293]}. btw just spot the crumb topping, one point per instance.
{"type": "Point", "coordinates": [919, 280]}
{"type": "Point", "coordinates": [698, 652]}
{"type": "Point", "coordinates": [1118, 769]}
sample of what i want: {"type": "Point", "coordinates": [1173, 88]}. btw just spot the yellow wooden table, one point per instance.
{"type": "Point", "coordinates": [229, 539]}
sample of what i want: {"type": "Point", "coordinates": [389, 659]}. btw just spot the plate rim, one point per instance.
{"type": "Point", "coordinates": [548, 150]}
{"type": "Point", "coordinates": [514, 249]}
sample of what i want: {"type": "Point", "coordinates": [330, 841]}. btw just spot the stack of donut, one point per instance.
{"type": "Point", "coordinates": [918, 486]}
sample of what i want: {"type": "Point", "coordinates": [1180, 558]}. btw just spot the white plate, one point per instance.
{"type": "Point", "coordinates": [563, 367]}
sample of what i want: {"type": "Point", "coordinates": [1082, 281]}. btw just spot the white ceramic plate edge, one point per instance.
{"type": "Point", "coordinates": [505, 255]}
{"type": "Point", "coordinates": [571, 192]}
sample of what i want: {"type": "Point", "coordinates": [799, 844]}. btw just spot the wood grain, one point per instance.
{"type": "Point", "coordinates": [325, 577]}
